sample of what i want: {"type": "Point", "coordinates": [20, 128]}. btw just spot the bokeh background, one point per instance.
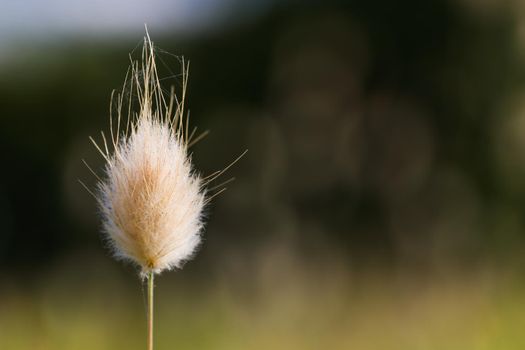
{"type": "Point", "coordinates": [381, 204]}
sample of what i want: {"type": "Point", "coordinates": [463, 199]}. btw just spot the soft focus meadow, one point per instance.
{"type": "Point", "coordinates": [381, 204]}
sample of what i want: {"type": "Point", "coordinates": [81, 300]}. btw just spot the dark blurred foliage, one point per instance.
{"type": "Point", "coordinates": [378, 130]}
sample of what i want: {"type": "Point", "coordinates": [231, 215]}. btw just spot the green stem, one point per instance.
{"type": "Point", "coordinates": [150, 310]}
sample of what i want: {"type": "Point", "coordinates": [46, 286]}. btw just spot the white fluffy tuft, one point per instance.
{"type": "Point", "coordinates": [151, 200]}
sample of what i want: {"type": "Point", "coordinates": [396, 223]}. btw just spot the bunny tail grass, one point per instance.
{"type": "Point", "coordinates": [150, 197]}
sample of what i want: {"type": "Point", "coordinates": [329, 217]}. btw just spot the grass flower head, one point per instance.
{"type": "Point", "coordinates": [150, 198]}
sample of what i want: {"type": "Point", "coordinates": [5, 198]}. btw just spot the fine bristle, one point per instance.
{"type": "Point", "coordinates": [150, 198]}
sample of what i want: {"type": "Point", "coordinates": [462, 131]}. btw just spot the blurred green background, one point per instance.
{"type": "Point", "coordinates": [380, 206]}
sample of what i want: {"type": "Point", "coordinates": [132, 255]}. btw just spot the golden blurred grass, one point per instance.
{"type": "Point", "coordinates": [74, 306]}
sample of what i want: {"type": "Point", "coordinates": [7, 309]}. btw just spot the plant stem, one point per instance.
{"type": "Point", "coordinates": [150, 310]}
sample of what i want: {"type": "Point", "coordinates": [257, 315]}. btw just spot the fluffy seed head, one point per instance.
{"type": "Point", "coordinates": [150, 198]}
